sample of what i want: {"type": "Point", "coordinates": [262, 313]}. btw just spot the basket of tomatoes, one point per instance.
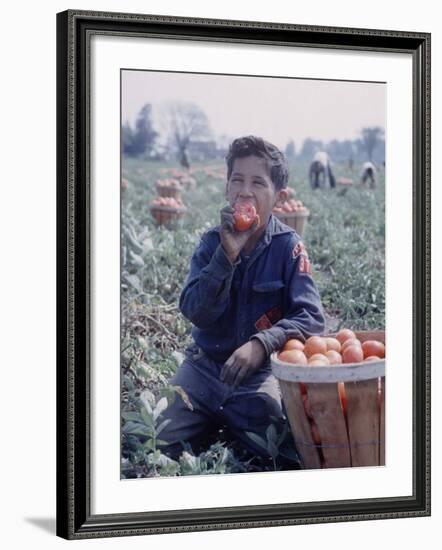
{"type": "Point", "coordinates": [293, 213]}
{"type": "Point", "coordinates": [169, 187]}
{"type": "Point", "coordinates": [344, 181]}
{"type": "Point", "coordinates": [167, 210]}
{"type": "Point", "coordinates": [333, 388]}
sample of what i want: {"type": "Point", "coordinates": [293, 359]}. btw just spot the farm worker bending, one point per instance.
{"type": "Point", "coordinates": [369, 173]}
{"type": "Point", "coordinates": [246, 293]}
{"type": "Point", "coordinates": [321, 173]}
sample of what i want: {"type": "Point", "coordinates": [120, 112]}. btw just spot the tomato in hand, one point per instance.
{"type": "Point", "coordinates": [244, 216]}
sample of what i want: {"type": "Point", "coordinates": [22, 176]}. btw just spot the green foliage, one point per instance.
{"type": "Point", "coordinates": [345, 240]}
{"type": "Point", "coordinates": [140, 140]}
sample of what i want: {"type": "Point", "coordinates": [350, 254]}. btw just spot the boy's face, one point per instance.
{"type": "Point", "coordinates": [250, 182]}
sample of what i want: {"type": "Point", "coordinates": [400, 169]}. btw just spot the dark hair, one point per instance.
{"type": "Point", "coordinates": [253, 145]}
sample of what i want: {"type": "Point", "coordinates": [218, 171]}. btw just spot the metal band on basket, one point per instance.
{"type": "Point", "coordinates": [336, 373]}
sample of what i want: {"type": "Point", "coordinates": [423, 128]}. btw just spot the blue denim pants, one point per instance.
{"type": "Point", "coordinates": [250, 407]}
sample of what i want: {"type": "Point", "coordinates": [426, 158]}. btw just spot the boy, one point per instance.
{"type": "Point", "coordinates": [246, 294]}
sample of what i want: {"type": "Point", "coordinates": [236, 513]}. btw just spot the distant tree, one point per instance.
{"type": "Point", "coordinates": [290, 150]}
{"type": "Point", "coordinates": [184, 122]}
{"type": "Point", "coordinates": [128, 139]}
{"type": "Point", "coordinates": [334, 149]}
{"type": "Point", "coordinates": [141, 140]}
{"type": "Point", "coordinates": [310, 147]}
{"type": "Point", "coordinates": [370, 138]}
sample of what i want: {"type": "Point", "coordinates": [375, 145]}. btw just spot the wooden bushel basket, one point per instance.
{"type": "Point", "coordinates": [356, 438]}
{"type": "Point", "coordinates": [296, 220]}
{"type": "Point", "coordinates": [166, 191]}
{"type": "Point", "coordinates": [167, 216]}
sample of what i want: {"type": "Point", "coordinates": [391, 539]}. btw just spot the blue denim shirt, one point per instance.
{"type": "Point", "coordinates": [270, 295]}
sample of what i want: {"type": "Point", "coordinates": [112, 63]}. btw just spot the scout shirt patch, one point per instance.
{"type": "Point", "coordinates": [269, 318]}
{"type": "Point", "coordinates": [304, 265]}
{"type": "Point", "coordinates": [298, 250]}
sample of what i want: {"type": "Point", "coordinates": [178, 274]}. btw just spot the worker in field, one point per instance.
{"type": "Point", "coordinates": [249, 289]}
{"type": "Point", "coordinates": [321, 173]}
{"type": "Point", "coordinates": [369, 174]}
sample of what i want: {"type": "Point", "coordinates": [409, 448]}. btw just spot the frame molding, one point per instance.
{"type": "Point", "coordinates": [74, 29]}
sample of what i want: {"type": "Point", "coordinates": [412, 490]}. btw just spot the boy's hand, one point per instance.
{"type": "Point", "coordinates": [243, 362]}
{"type": "Point", "coordinates": [231, 240]}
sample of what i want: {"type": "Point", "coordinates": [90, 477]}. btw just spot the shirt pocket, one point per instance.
{"type": "Point", "coordinates": [266, 296]}
{"type": "Point", "coordinates": [267, 291]}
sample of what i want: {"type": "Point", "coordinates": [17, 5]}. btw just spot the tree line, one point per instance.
{"type": "Point", "coordinates": [185, 134]}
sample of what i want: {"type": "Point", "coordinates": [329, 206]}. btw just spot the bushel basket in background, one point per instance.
{"type": "Point", "coordinates": [169, 191]}
{"type": "Point", "coordinates": [353, 438]}
{"type": "Point", "coordinates": [166, 215]}
{"type": "Point", "coordinates": [295, 220]}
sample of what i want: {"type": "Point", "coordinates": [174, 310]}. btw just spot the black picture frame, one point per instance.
{"type": "Point", "coordinates": [74, 518]}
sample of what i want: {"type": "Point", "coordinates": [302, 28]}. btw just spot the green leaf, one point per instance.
{"type": "Point", "coordinates": [283, 434]}
{"type": "Point", "coordinates": [289, 453]}
{"type": "Point", "coordinates": [128, 382]}
{"type": "Point", "coordinates": [257, 439]}
{"type": "Point", "coordinates": [271, 433]}
{"type": "Point", "coordinates": [179, 390]}
{"type": "Point", "coordinates": [135, 428]}
{"type": "Point", "coordinates": [146, 406]}
{"type": "Point", "coordinates": [134, 281]}
{"type": "Point", "coordinates": [163, 424]}
{"type": "Point", "coordinates": [160, 407]}
{"type": "Point", "coordinates": [131, 415]}
{"type": "Point", "coordinates": [149, 445]}
{"type": "Point", "coordinates": [148, 400]}
{"type": "Point", "coordinates": [272, 449]}
{"type": "Point", "coordinates": [147, 418]}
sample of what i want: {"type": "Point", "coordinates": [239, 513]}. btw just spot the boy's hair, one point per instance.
{"type": "Point", "coordinates": [253, 145]}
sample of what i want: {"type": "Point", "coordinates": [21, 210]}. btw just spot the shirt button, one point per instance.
{"type": "Point", "coordinates": [221, 408]}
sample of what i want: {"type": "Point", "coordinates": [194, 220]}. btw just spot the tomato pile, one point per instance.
{"type": "Point", "coordinates": [345, 347]}
{"type": "Point", "coordinates": [345, 181]}
{"type": "Point", "coordinates": [244, 216]}
{"type": "Point", "coordinates": [168, 182]}
{"type": "Point", "coordinates": [170, 202]}
{"type": "Point", "coordinates": [290, 205]}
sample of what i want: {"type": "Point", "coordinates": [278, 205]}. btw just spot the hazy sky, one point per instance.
{"type": "Point", "coordinates": [277, 109]}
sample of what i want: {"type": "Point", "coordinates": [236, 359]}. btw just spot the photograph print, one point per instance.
{"type": "Point", "coordinates": [252, 274]}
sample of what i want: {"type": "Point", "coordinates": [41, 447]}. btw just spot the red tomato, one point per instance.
{"type": "Point", "coordinates": [293, 343]}
{"type": "Point", "coordinates": [317, 358]}
{"type": "Point", "coordinates": [352, 354]}
{"type": "Point", "coordinates": [244, 216]}
{"type": "Point", "coordinates": [333, 344]}
{"type": "Point", "coordinates": [373, 347]}
{"type": "Point", "coordinates": [315, 344]}
{"type": "Point", "coordinates": [344, 334]}
{"type": "Point", "coordinates": [294, 356]}
{"type": "Point", "coordinates": [350, 342]}
{"type": "Point", "coordinates": [334, 357]}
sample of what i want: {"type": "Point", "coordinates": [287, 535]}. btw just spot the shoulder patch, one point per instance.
{"type": "Point", "coordinates": [305, 265]}
{"type": "Point", "coordinates": [298, 250]}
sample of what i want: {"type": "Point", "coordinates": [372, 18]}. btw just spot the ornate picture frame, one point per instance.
{"type": "Point", "coordinates": [75, 222]}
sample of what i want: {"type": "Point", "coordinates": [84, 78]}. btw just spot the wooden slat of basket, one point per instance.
{"type": "Point", "coordinates": [365, 335]}
{"type": "Point", "coordinates": [327, 413]}
{"type": "Point", "coordinates": [299, 424]}
{"type": "Point", "coordinates": [363, 421]}
{"type": "Point", "coordinates": [382, 425]}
